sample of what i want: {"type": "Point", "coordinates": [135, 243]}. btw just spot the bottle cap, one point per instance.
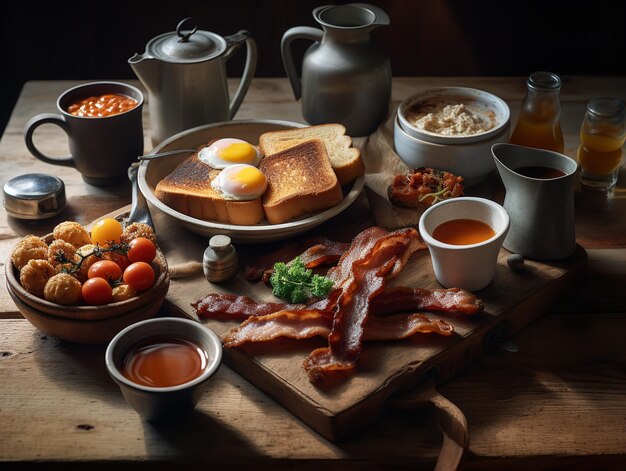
{"type": "Point", "coordinates": [544, 81]}
{"type": "Point", "coordinates": [606, 107]}
{"type": "Point", "coordinates": [34, 196]}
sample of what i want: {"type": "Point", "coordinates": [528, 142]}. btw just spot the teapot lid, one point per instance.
{"type": "Point", "coordinates": [186, 45]}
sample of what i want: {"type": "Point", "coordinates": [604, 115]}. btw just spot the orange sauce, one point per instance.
{"type": "Point", "coordinates": [164, 361]}
{"type": "Point", "coordinates": [463, 232]}
{"type": "Point", "coordinates": [102, 105]}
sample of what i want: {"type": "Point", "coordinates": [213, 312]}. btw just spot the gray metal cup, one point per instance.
{"type": "Point", "coordinates": [541, 210]}
{"type": "Point", "coordinates": [101, 149]}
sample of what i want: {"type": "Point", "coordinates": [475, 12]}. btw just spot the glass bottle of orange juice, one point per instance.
{"type": "Point", "coordinates": [602, 136]}
{"type": "Point", "coordinates": [539, 123]}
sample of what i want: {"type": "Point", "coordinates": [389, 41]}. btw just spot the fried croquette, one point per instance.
{"type": "Point", "coordinates": [29, 248]}
{"type": "Point", "coordinates": [34, 276]}
{"type": "Point", "coordinates": [73, 233]}
{"type": "Point", "coordinates": [60, 250]}
{"type": "Point", "coordinates": [63, 289]}
{"type": "Point", "coordinates": [88, 260]}
{"type": "Point", "coordinates": [137, 229]}
{"type": "Point", "coordinates": [123, 292]}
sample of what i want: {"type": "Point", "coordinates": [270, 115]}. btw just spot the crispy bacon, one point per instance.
{"type": "Point", "coordinates": [345, 316]}
{"type": "Point", "coordinates": [313, 252]}
{"type": "Point", "coordinates": [401, 299]}
{"type": "Point", "coordinates": [389, 301]}
{"type": "Point", "coordinates": [233, 306]}
{"type": "Point", "coordinates": [374, 257]}
{"type": "Point", "coordinates": [237, 307]}
{"type": "Point", "coordinates": [306, 324]}
{"type": "Point", "coordinates": [400, 326]}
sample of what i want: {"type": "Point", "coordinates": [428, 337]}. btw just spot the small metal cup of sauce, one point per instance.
{"type": "Point", "coordinates": [163, 366]}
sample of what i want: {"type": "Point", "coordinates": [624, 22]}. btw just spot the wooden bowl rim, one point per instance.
{"type": "Point", "coordinates": [84, 312]}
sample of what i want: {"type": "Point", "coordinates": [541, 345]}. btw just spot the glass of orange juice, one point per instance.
{"type": "Point", "coordinates": [602, 136]}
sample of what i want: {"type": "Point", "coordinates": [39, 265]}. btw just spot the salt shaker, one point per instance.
{"type": "Point", "coordinates": [220, 260]}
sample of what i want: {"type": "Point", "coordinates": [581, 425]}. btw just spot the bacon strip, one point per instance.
{"type": "Point", "coordinates": [412, 299]}
{"type": "Point", "coordinates": [237, 307]}
{"type": "Point", "coordinates": [313, 252]}
{"type": "Point", "coordinates": [391, 300]}
{"type": "Point", "coordinates": [232, 306]}
{"type": "Point", "coordinates": [311, 323]}
{"type": "Point", "coordinates": [374, 257]}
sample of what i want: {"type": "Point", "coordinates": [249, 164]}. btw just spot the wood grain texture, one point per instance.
{"type": "Point", "coordinates": [543, 408]}
{"type": "Point", "coordinates": [511, 301]}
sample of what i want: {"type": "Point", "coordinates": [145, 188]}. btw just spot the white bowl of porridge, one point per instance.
{"type": "Point", "coordinates": [471, 160]}
{"type": "Point", "coordinates": [453, 115]}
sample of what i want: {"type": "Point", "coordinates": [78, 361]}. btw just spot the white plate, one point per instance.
{"type": "Point", "coordinates": [153, 171]}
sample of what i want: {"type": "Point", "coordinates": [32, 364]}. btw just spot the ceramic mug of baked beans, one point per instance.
{"type": "Point", "coordinates": [103, 123]}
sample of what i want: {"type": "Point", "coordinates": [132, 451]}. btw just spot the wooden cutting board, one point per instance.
{"type": "Point", "coordinates": [512, 301]}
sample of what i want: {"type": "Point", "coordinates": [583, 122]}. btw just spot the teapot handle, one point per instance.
{"type": "Point", "coordinates": [233, 42]}
{"type": "Point", "coordinates": [299, 32]}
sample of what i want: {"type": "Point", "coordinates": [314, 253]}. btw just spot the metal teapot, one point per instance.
{"type": "Point", "coordinates": [346, 77]}
{"type": "Point", "coordinates": [185, 75]}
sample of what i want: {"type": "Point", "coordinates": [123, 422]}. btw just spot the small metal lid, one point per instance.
{"type": "Point", "coordinates": [188, 46]}
{"type": "Point", "coordinates": [34, 196]}
{"type": "Point", "coordinates": [544, 81]}
{"type": "Point", "coordinates": [607, 107]}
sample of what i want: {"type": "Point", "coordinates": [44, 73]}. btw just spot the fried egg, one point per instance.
{"type": "Point", "coordinates": [240, 182]}
{"type": "Point", "coordinates": [228, 151]}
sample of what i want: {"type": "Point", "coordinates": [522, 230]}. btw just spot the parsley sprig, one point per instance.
{"type": "Point", "coordinates": [295, 283]}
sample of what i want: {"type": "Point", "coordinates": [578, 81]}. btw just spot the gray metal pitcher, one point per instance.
{"type": "Point", "coordinates": [346, 78]}
{"type": "Point", "coordinates": [185, 74]}
{"type": "Point", "coordinates": [541, 208]}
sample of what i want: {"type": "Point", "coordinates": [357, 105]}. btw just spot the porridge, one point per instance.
{"type": "Point", "coordinates": [450, 116]}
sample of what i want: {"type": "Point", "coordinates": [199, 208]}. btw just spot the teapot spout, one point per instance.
{"type": "Point", "coordinates": [147, 69]}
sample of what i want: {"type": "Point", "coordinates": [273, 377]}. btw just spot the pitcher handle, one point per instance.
{"type": "Point", "coordinates": [233, 42]}
{"type": "Point", "coordinates": [29, 129]}
{"type": "Point", "coordinates": [299, 32]}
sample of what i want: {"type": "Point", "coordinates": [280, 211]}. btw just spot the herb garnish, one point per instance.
{"type": "Point", "coordinates": [295, 283]}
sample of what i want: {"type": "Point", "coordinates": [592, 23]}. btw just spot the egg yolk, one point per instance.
{"type": "Point", "coordinates": [238, 152]}
{"type": "Point", "coordinates": [249, 177]}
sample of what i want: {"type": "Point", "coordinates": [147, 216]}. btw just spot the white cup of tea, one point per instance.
{"type": "Point", "coordinates": [464, 236]}
{"type": "Point", "coordinates": [163, 366]}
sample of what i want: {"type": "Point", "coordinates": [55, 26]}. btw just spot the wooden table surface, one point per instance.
{"type": "Point", "coordinates": [560, 402]}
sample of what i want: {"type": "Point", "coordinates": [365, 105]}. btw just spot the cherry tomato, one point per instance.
{"type": "Point", "coordinates": [139, 276]}
{"type": "Point", "coordinates": [97, 291]}
{"type": "Point", "coordinates": [141, 250]}
{"type": "Point", "coordinates": [106, 269]}
{"type": "Point", "coordinates": [121, 260]}
{"type": "Point", "coordinates": [105, 231]}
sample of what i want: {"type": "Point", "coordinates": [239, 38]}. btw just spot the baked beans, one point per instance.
{"type": "Point", "coordinates": [102, 105]}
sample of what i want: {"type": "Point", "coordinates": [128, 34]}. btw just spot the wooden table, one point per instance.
{"type": "Point", "coordinates": [560, 402]}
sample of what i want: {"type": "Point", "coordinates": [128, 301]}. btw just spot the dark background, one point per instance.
{"type": "Point", "coordinates": [93, 40]}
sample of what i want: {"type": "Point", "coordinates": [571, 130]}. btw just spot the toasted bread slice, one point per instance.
{"type": "Point", "coordinates": [188, 190]}
{"type": "Point", "coordinates": [300, 180]}
{"type": "Point", "coordinates": [345, 160]}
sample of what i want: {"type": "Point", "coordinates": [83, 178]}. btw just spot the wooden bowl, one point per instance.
{"type": "Point", "coordinates": [88, 324]}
